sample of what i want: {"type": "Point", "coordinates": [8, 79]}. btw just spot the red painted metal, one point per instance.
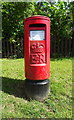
{"type": "Point", "coordinates": [37, 52]}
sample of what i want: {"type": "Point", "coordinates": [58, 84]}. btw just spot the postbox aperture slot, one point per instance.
{"type": "Point", "coordinates": [37, 34]}
{"type": "Point", "coordinates": [37, 25]}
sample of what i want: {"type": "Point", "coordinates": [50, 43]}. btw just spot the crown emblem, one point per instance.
{"type": "Point", "coordinates": [37, 47]}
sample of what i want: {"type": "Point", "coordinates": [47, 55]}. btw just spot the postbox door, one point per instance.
{"type": "Point", "coordinates": [37, 46]}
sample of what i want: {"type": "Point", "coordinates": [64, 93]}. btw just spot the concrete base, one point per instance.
{"type": "Point", "coordinates": [36, 89]}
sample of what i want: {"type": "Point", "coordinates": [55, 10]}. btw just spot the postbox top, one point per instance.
{"type": "Point", "coordinates": [37, 17]}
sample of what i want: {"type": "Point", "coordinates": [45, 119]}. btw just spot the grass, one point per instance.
{"type": "Point", "coordinates": [59, 101]}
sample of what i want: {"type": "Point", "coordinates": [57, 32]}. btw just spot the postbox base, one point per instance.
{"type": "Point", "coordinates": [37, 89]}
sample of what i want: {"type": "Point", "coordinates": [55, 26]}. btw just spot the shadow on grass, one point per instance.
{"type": "Point", "coordinates": [14, 87]}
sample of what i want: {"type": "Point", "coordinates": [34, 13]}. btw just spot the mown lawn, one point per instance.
{"type": "Point", "coordinates": [59, 101]}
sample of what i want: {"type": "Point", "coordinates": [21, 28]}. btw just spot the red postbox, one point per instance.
{"type": "Point", "coordinates": [37, 48]}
